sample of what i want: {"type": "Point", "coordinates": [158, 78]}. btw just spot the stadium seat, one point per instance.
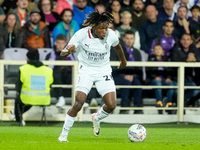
{"type": "Point", "coordinates": [15, 54]}
{"type": "Point", "coordinates": [11, 71]}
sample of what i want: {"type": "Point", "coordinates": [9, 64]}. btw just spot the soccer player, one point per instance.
{"type": "Point", "coordinates": [92, 45]}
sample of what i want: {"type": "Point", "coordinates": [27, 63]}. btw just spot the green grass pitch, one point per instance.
{"type": "Point", "coordinates": [112, 137]}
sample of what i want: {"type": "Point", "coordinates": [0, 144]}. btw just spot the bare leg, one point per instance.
{"type": "Point", "coordinates": [110, 102]}
{"type": "Point", "coordinates": [106, 109]}
{"type": "Point", "coordinates": [79, 101]}
{"type": "Point", "coordinates": [71, 115]}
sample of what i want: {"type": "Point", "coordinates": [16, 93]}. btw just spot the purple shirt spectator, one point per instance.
{"type": "Point", "coordinates": [166, 42]}
{"type": "Point", "coordinates": [130, 52]}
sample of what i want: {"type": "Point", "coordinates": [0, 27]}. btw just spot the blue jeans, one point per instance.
{"type": "Point", "coordinates": [158, 92]}
{"type": "Point", "coordinates": [126, 92]}
{"type": "Point", "coordinates": [189, 93]}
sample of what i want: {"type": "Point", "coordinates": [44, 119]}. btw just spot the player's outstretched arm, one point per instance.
{"type": "Point", "coordinates": [67, 50]}
{"type": "Point", "coordinates": [121, 56]}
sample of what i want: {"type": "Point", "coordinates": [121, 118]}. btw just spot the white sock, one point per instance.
{"type": "Point", "coordinates": [69, 121]}
{"type": "Point", "coordinates": [101, 114]}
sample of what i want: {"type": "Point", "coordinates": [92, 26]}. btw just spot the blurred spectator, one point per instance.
{"type": "Point", "coordinates": [8, 5]}
{"type": "Point", "coordinates": [100, 7]}
{"type": "Point", "coordinates": [150, 29]}
{"type": "Point", "coordinates": [157, 3]}
{"type": "Point", "coordinates": [107, 4]}
{"type": "Point", "coordinates": [32, 4]}
{"type": "Point", "coordinates": [2, 13]}
{"type": "Point", "coordinates": [21, 12]}
{"type": "Point", "coordinates": [64, 4]}
{"type": "Point", "coordinates": [129, 75]}
{"type": "Point", "coordinates": [81, 10]}
{"type": "Point", "coordinates": [126, 5]}
{"type": "Point", "coordinates": [181, 25]}
{"type": "Point", "coordinates": [115, 11]}
{"type": "Point", "coordinates": [195, 32]}
{"type": "Point", "coordinates": [187, 52]}
{"type": "Point", "coordinates": [10, 35]}
{"type": "Point", "coordinates": [138, 14]}
{"type": "Point", "coordinates": [197, 2]}
{"type": "Point", "coordinates": [126, 20]}
{"type": "Point", "coordinates": [167, 11]}
{"type": "Point", "coordinates": [62, 74]}
{"type": "Point", "coordinates": [193, 100]}
{"type": "Point", "coordinates": [35, 32]}
{"type": "Point", "coordinates": [67, 27]}
{"type": "Point", "coordinates": [47, 15]}
{"type": "Point", "coordinates": [33, 86]}
{"type": "Point", "coordinates": [160, 76]}
{"type": "Point", "coordinates": [194, 2]}
{"type": "Point", "coordinates": [196, 41]}
{"type": "Point", "coordinates": [194, 23]}
{"type": "Point", "coordinates": [166, 39]}
{"type": "Point", "coordinates": [93, 3]}
{"type": "Point", "coordinates": [187, 3]}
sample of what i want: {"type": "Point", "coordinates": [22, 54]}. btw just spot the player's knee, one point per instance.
{"type": "Point", "coordinates": [78, 105]}
{"type": "Point", "coordinates": [111, 106]}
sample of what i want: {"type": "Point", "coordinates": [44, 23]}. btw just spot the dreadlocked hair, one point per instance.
{"type": "Point", "coordinates": [96, 18]}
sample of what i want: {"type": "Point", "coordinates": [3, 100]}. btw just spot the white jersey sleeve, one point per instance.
{"type": "Point", "coordinates": [77, 38]}
{"type": "Point", "coordinates": [113, 38]}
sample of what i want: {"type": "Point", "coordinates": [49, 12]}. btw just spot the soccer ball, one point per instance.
{"type": "Point", "coordinates": [137, 133]}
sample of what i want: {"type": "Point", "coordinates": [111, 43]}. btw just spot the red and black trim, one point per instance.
{"type": "Point", "coordinates": [89, 34]}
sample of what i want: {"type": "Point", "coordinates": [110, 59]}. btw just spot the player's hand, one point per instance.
{"type": "Point", "coordinates": [67, 50]}
{"type": "Point", "coordinates": [122, 64]}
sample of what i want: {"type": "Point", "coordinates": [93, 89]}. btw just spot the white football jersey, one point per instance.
{"type": "Point", "coordinates": [94, 52]}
